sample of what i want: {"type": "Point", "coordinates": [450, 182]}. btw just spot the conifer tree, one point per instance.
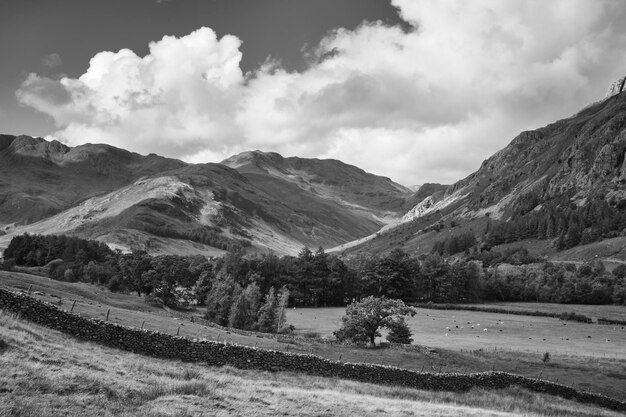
{"type": "Point", "coordinates": [267, 313]}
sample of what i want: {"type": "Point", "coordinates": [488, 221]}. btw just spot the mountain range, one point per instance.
{"type": "Point", "coordinates": [261, 201]}
{"type": "Point", "coordinates": [254, 201]}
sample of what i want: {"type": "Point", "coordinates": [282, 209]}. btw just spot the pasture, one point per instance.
{"type": "Point", "coordinates": [470, 330]}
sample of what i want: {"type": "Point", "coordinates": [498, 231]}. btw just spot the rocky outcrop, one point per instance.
{"type": "Point", "coordinates": [616, 88]}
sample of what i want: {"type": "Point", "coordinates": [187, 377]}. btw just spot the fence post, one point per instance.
{"type": "Point", "coordinates": [30, 288]}
{"type": "Point", "coordinates": [108, 312]}
{"type": "Point", "coordinates": [73, 304]}
{"type": "Point", "coordinates": [178, 331]}
{"type": "Point", "coordinates": [142, 323]}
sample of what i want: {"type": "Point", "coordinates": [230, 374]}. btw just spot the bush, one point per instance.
{"type": "Point", "coordinates": [399, 332]}
{"type": "Point", "coordinates": [620, 271]}
{"type": "Point", "coordinates": [575, 317]}
{"type": "Point", "coordinates": [7, 264]}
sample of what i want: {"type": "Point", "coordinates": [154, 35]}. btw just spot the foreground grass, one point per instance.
{"type": "Point", "coordinates": [45, 373]}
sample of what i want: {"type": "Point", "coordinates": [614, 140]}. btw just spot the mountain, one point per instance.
{"type": "Point", "coordinates": [328, 179]}
{"type": "Point", "coordinates": [130, 201]}
{"type": "Point", "coordinates": [39, 178]}
{"type": "Point", "coordinates": [562, 172]}
{"type": "Point", "coordinates": [560, 186]}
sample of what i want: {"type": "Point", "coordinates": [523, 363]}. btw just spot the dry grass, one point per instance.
{"type": "Point", "coordinates": [46, 373]}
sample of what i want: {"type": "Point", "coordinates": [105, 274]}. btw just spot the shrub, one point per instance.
{"type": "Point", "coordinates": [399, 332]}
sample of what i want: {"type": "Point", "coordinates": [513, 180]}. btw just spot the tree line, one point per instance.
{"type": "Point", "coordinates": [315, 278]}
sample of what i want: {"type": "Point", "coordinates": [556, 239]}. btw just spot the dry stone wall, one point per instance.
{"type": "Point", "coordinates": [218, 354]}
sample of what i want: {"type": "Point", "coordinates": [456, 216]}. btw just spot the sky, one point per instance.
{"type": "Point", "coordinates": [415, 90]}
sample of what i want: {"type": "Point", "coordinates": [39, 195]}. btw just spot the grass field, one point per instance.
{"type": "Point", "coordinates": [587, 364]}
{"type": "Point", "coordinates": [46, 373]}
{"type": "Point", "coordinates": [470, 330]}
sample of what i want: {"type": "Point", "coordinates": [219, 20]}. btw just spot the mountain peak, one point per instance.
{"type": "Point", "coordinates": [38, 147]}
{"type": "Point", "coordinates": [256, 158]}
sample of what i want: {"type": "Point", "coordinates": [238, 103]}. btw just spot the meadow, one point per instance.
{"type": "Point", "coordinates": [471, 330]}
{"type": "Point", "coordinates": [48, 373]}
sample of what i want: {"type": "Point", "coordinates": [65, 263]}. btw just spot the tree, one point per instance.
{"type": "Point", "coordinates": [363, 319]}
{"type": "Point", "coordinates": [219, 301]}
{"type": "Point", "coordinates": [203, 285]}
{"type": "Point", "coordinates": [267, 313]}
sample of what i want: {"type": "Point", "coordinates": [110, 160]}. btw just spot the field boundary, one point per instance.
{"type": "Point", "coordinates": [486, 309]}
{"type": "Point", "coordinates": [215, 353]}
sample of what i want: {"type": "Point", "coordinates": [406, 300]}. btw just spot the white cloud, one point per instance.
{"type": "Point", "coordinates": [178, 99]}
{"type": "Point", "coordinates": [428, 105]}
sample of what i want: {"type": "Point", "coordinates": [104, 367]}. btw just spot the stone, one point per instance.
{"type": "Point", "coordinates": [616, 87]}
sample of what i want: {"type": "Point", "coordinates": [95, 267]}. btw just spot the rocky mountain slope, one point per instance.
{"type": "Point", "coordinates": [39, 178]}
{"type": "Point", "coordinates": [577, 160]}
{"type": "Point", "coordinates": [148, 202]}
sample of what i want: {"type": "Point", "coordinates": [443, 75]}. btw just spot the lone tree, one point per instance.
{"type": "Point", "coordinates": [363, 319]}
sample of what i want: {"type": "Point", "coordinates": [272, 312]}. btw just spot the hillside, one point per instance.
{"type": "Point", "coordinates": [163, 205]}
{"type": "Point", "coordinates": [328, 178]}
{"type": "Point", "coordinates": [571, 173]}
{"type": "Point", "coordinates": [39, 178]}
{"type": "Point", "coordinates": [48, 373]}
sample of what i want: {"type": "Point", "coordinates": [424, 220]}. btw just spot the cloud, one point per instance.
{"type": "Point", "coordinates": [177, 100]}
{"type": "Point", "coordinates": [52, 60]}
{"type": "Point", "coordinates": [419, 105]}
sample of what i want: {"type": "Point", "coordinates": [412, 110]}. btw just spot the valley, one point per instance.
{"type": "Point", "coordinates": [541, 220]}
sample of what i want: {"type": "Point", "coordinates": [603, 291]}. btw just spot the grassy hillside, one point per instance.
{"type": "Point", "coordinates": [47, 373]}
{"type": "Point", "coordinates": [586, 364]}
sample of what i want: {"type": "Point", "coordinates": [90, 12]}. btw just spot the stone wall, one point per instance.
{"type": "Point", "coordinates": [218, 354]}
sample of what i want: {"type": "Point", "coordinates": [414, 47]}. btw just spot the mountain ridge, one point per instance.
{"type": "Point", "coordinates": [133, 201]}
